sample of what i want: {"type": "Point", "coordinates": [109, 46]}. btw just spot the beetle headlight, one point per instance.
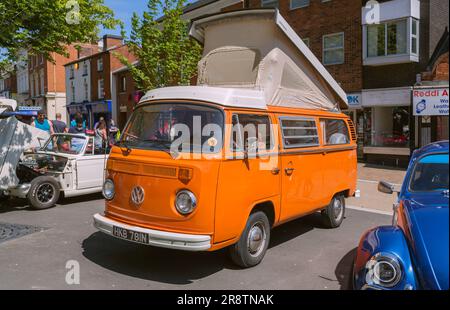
{"type": "Point", "coordinates": [108, 189]}
{"type": "Point", "coordinates": [185, 202]}
{"type": "Point", "coordinates": [383, 269]}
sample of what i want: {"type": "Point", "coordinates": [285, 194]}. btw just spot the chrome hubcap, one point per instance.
{"type": "Point", "coordinates": [256, 239]}
{"type": "Point", "coordinates": [45, 192]}
{"type": "Point", "coordinates": [338, 209]}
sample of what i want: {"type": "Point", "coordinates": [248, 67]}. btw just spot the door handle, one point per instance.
{"type": "Point", "coordinates": [289, 171]}
{"type": "Point", "coordinates": [275, 171]}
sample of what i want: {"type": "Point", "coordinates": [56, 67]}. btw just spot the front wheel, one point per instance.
{"type": "Point", "coordinates": [252, 245]}
{"type": "Point", "coordinates": [44, 192]}
{"type": "Point", "coordinates": [334, 213]}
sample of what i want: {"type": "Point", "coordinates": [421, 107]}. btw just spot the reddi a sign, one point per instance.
{"type": "Point", "coordinates": [430, 101]}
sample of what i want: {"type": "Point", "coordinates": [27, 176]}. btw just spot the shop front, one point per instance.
{"type": "Point", "coordinates": [430, 109]}
{"type": "Point", "coordinates": [91, 111]}
{"type": "Point", "coordinates": [386, 128]}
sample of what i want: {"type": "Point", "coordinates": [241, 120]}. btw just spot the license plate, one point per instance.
{"type": "Point", "coordinates": [131, 235]}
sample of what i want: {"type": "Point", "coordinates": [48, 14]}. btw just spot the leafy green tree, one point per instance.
{"type": "Point", "coordinates": [167, 55]}
{"type": "Point", "coordinates": [47, 26]}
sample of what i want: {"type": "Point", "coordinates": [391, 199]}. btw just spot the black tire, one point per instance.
{"type": "Point", "coordinates": [334, 213]}
{"type": "Point", "coordinates": [44, 192]}
{"type": "Point", "coordinates": [245, 254]}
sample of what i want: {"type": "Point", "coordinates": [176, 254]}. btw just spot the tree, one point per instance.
{"type": "Point", "coordinates": [167, 55]}
{"type": "Point", "coordinates": [47, 26]}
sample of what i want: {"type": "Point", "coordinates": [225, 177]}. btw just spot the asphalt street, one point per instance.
{"type": "Point", "coordinates": [302, 254]}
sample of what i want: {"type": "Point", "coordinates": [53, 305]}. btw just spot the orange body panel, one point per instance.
{"type": "Point", "coordinates": [229, 188]}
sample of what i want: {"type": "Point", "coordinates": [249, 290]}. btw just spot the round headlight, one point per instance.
{"type": "Point", "coordinates": [108, 189]}
{"type": "Point", "coordinates": [185, 202]}
{"type": "Point", "coordinates": [383, 269]}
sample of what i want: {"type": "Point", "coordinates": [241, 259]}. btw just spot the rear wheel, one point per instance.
{"type": "Point", "coordinates": [252, 245]}
{"type": "Point", "coordinates": [44, 192]}
{"type": "Point", "coordinates": [334, 214]}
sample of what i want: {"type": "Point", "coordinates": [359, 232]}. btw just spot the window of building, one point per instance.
{"type": "Point", "coordinates": [42, 58]}
{"type": "Point", "coordinates": [42, 78]}
{"type": "Point", "coordinates": [86, 90]}
{"type": "Point", "coordinates": [415, 37]}
{"type": "Point", "coordinates": [100, 64]}
{"type": "Point", "coordinates": [251, 133]}
{"type": "Point", "coordinates": [36, 84]}
{"type": "Point", "coordinates": [73, 92]}
{"type": "Point", "coordinates": [299, 132]}
{"type": "Point", "coordinates": [31, 86]}
{"type": "Point", "coordinates": [306, 41]}
{"type": "Point", "coordinates": [269, 3]}
{"type": "Point", "coordinates": [333, 49]}
{"type": "Point", "coordinates": [72, 71]}
{"type": "Point", "coordinates": [391, 38]}
{"type": "Point", "coordinates": [334, 131]}
{"type": "Point", "coordinates": [295, 4]}
{"type": "Point", "coordinates": [123, 84]}
{"type": "Point", "coordinates": [101, 90]}
{"type": "Point", "coordinates": [85, 68]}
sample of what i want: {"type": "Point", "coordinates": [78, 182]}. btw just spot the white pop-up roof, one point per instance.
{"type": "Point", "coordinates": [258, 50]}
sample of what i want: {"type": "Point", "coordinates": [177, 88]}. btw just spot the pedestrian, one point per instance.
{"type": "Point", "coordinates": [100, 135]}
{"type": "Point", "coordinates": [58, 125]}
{"type": "Point", "coordinates": [113, 132]}
{"type": "Point", "coordinates": [41, 122]}
{"type": "Point", "coordinates": [79, 126]}
{"type": "Point", "coordinates": [99, 120]}
{"type": "Point", "coordinates": [73, 123]}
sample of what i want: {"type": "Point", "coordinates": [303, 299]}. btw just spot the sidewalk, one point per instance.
{"type": "Point", "coordinates": [368, 178]}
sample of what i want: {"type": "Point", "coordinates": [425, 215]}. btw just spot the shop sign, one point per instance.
{"type": "Point", "coordinates": [430, 101]}
{"type": "Point", "coordinates": [354, 100]}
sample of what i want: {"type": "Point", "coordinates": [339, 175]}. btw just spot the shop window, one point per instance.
{"type": "Point", "coordinates": [299, 132]}
{"type": "Point", "coordinates": [334, 131]}
{"type": "Point", "coordinates": [333, 49]}
{"type": "Point", "coordinates": [388, 127]}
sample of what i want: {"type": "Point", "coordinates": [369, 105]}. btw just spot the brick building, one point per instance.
{"type": "Point", "coordinates": [377, 62]}
{"type": "Point", "coordinates": [8, 85]}
{"type": "Point", "coordinates": [89, 80]}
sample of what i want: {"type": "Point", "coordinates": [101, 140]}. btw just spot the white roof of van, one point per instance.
{"type": "Point", "coordinates": [232, 97]}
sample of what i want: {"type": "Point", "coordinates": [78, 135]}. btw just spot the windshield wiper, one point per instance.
{"type": "Point", "coordinates": [123, 143]}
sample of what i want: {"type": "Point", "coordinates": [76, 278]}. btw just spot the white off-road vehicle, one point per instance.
{"type": "Point", "coordinates": [68, 164]}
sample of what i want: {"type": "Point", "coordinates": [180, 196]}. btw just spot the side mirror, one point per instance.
{"type": "Point", "coordinates": [386, 187]}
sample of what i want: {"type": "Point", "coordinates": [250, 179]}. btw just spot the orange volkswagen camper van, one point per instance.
{"type": "Point", "coordinates": [258, 142]}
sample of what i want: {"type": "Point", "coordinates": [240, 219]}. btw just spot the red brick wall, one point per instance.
{"type": "Point", "coordinates": [125, 98]}
{"type": "Point", "coordinates": [110, 63]}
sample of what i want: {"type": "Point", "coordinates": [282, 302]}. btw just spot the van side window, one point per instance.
{"type": "Point", "coordinates": [334, 131]}
{"type": "Point", "coordinates": [298, 132]}
{"type": "Point", "coordinates": [251, 132]}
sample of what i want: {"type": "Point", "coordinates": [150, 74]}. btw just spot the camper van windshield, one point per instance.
{"type": "Point", "coordinates": [169, 126]}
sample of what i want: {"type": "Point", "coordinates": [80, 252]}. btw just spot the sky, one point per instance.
{"type": "Point", "coordinates": [123, 10]}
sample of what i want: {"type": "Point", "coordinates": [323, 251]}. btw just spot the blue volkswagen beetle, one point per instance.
{"type": "Point", "coordinates": [413, 252]}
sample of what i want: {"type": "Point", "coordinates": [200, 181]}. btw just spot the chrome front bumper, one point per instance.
{"type": "Point", "coordinates": [20, 191]}
{"type": "Point", "coordinates": [157, 238]}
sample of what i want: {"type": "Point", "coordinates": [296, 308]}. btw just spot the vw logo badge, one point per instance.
{"type": "Point", "coordinates": [137, 195]}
